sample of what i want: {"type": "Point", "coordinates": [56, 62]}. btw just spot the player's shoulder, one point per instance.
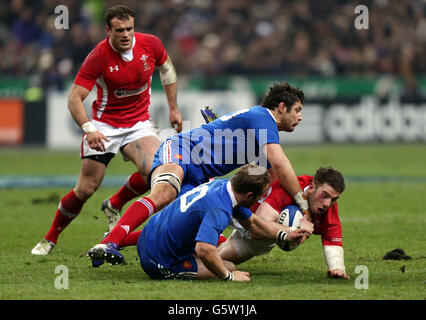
{"type": "Point", "coordinates": [99, 50]}
{"type": "Point", "coordinates": [305, 180]}
{"type": "Point", "coordinates": [147, 38]}
{"type": "Point", "coordinates": [262, 116]}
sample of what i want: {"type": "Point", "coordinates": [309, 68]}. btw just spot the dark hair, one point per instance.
{"type": "Point", "coordinates": [331, 176]}
{"type": "Point", "coordinates": [282, 92]}
{"type": "Point", "coordinates": [250, 178]}
{"type": "Point", "coordinates": [120, 12]}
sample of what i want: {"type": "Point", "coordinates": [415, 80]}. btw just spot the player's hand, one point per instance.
{"type": "Point", "coordinates": [307, 215]}
{"type": "Point", "coordinates": [337, 273]}
{"type": "Point", "coordinates": [176, 120]}
{"type": "Point", "coordinates": [299, 235]}
{"type": "Point", "coordinates": [96, 140]}
{"type": "Point", "coordinates": [241, 276]}
{"type": "Point", "coordinates": [306, 224]}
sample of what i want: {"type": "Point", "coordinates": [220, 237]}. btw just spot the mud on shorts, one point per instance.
{"type": "Point", "coordinates": [118, 139]}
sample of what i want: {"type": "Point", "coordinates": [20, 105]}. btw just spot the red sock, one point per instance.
{"type": "Point", "coordinates": [131, 239]}
{"type": "Point", "coordinates": [69, 207]}
{"type": "Point", "coordinates": [221, 239]}
{"type": "Point", "coordinates": [134, 216]}
{"type": "Point", "coordinates": [133, 187]}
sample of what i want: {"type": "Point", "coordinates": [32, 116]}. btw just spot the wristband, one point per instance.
{"type": "Point", "coordinates": [334, 257]}
{"type": "Point", "coordinates": [301, 201]}
{"type": "Point", "coordinates": [281, 237]}
{"type": "Point", "coordinates": [88, 127]}
{"type": "Point", "coordinates": [229, 276]}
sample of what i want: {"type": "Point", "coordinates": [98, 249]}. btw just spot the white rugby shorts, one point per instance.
{"type": "Point", "coordinates": [119, 137]}
{"type": "Point", "coordinates": [245, 245]}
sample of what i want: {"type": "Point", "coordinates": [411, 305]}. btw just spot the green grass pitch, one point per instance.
{"type": "Point", "coordinates": [383, 208]}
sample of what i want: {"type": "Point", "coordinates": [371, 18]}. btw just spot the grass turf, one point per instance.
{"type": "Point", "coordinates": [382, 209]}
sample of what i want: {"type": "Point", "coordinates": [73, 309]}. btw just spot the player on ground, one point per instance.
{"type": "Point", "coordinates": [189, 159]}
{"type": "Point", "coordinates": [322, 192]}
{"type": "Point", "coordinates": [192, 224]}
{"type": "Point", "coordinates": [121, 66]}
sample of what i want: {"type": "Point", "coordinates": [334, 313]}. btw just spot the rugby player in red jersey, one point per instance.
{"type": "Point", "coordinates": [322, 192]}
{"type": "Point", "coordinates": [121, 67]}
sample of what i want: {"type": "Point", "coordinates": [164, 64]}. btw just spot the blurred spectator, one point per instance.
{"type": "Point", "coordinates": [219, 37]}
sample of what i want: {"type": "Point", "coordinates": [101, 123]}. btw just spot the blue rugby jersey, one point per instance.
{"type": "Point", "coordinates": [199, 215]}
{"type": "Point", "coordinates": [221, 146]}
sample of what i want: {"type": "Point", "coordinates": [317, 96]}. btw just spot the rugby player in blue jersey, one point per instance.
{"type": "Point", "coordinates": [180, 241]}
{"type": "Point", "coordinates": [191, 158]}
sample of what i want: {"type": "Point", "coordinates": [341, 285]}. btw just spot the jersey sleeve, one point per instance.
{"type": "Point", "coordinates": [242, 213]}
{"type": "Point", "coordinates": [213, 224]}
{"type": "Point", "coordinates": [90, 70]}
{"type": "Point", "coordinates": [160, 52]}
{"type": "Point", "coordinates": [265, 130]}
{"type": "Point", "coordinates": [331, 229]}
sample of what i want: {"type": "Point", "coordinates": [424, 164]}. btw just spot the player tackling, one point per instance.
{"type": "Point", "coordinates": [191, 158]}
{"type": "Point", "coordinates": [322, 191]}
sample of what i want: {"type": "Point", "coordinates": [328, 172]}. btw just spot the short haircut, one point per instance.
{"type": "Point", "coordinates": [282, 92]}
{"type": "Point", "coordinates": [250, 178]}
{"type": "Point", "coordinates": [120, 12]}
{"type": "Point", "coordinates": [330, 176]}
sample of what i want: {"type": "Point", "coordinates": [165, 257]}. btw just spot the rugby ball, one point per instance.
{"type": "Point", "coordinates": [290, 217]}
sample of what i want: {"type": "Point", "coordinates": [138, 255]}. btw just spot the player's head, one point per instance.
{"type": "Point", "coordinates": [120, 26]}
{"type": "Point", "coordinates": [286, 102]}
{"type": "Point", "coordinates": [324, 190]}
{"type": "Point", "coordinates": [249, 184]}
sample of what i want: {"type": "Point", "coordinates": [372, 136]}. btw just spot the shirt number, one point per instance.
{"type": "Point", "coordinates": [185, 204]}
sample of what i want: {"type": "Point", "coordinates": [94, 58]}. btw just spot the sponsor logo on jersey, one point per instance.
{"type": "Point", "coordinates": [122, 93]}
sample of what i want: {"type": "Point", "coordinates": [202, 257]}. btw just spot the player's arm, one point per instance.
{"type": "Point", "coordinates": [211, 259]}
{"type": "Point", "coordinates": [169, 82]}
{"type": "Point", "coordinates": [286, 175]}
{"type": "Point", "coordinates": [75, 105]}
{"type": "Point", "coordinates": [333, 247]}
{"type": "Point", "coordinates": [334, 257]}
{"type": "Point", "coordinates": [271, 231]}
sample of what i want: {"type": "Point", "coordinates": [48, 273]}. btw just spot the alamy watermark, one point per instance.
{"type": "Point", "coordinates": [361, 281]}
{"type": "Point", "coordinates": [220, 147]}
{"type": "Point", "coordinates": [362, 20]}
{"type": "Point", "coordinates": [62, 281]}
{"type": "Point", "coordinates": [62, 17]}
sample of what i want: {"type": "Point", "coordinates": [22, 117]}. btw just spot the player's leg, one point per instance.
{"type": "Point", "coordinates": [162, 193]}
{"type": "Point", "coordinates": [235, 249]}
{"type": "Point", "coordinates": [204, 273]}
{"type": "Point", "coordinates": [139, 146]}
{"type": "Point", "coordinates": [90, 178]}
{"type": "Point", "coordinates": [240, 247]}
{"type": "Point", "coordinates": [141, 152]}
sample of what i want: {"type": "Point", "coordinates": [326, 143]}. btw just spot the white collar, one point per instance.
{"type": "Point", "coordinates": [127, 55]}
{"type": "Point", "coordinates": [271, 115]}
{"type": "Point", "coordinates": [231, 194]}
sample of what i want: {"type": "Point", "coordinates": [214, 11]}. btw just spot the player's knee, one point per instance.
{"type": "Point", "coordinates": [164, 189]}
{"type": "Point", "coordinates": [86, 190]}
{"type": "Point", "coordinates": [162, 195]}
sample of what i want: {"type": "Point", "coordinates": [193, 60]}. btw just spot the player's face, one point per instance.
{"type": "Point", "coordinates": [321, 198]}
{"type": "Point", "coordinates": [291, 119]}
{"type": "Point", "coordinates": [250, 199]}
{"type": "Point", "coordinates": [121, 33]}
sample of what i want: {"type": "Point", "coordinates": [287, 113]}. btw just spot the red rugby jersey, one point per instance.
{"type": "Point", "coordinates": [327, 225]}
{"type": "Point", "coordinates": [123, 80]}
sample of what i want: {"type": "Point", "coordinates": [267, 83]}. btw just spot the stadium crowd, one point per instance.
{"type": "Point", "coordinates": [219, 37]}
